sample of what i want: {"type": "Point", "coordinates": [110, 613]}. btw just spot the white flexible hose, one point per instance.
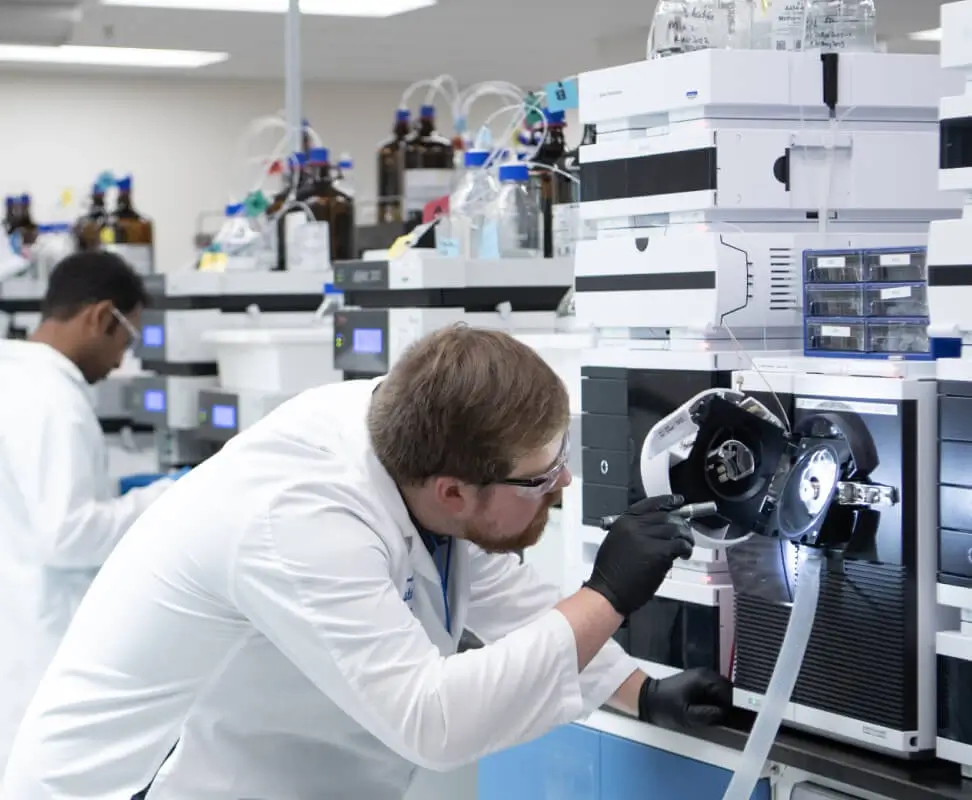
{"type": "Point", "coordinates": [785, 674]}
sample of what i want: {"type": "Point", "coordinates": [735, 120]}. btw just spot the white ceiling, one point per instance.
{"type": "Point", "coordinates": [518, 40]}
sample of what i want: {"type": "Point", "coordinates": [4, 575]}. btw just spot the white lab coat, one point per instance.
{"type": "Point", "coordinates": [58, 518]}
{"type": "Point", "coordinates": [280, 602]}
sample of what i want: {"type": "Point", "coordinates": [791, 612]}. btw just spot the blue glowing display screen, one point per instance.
{"type": "Point", "coordinates": [154, 400]}
{"type": "Point", "coordinates": [367, 340]}
{"type": "Point", "coordinates": [224, 417]}
{"type": "Point", "coordinates": [153, 336]}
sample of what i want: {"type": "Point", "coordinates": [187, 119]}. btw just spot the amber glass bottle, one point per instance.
{"type": "Point", "coordinates": [128, 233]}
{"type": "Point", "coordinates": [391, 166]}
{"type": "Point", "coordinates": [549, 185]}
{"type": "Point", "coordinates": [26, 226]}
{"type": "Point", "coordinates": [429, 167]}
{"type": "Point", "coordinates": [87, 230]}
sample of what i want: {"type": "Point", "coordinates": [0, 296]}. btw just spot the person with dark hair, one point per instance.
{"type": "Point", "coordinates": [59, 516]}
{"type": "Point", "coordinates": [289, 615]}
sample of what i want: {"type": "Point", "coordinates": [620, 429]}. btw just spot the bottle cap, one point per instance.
{"type": "Point", "coordinates": [24, 199]}
{"type": "Point", "coordinates": [233, 209]}
{"type": "Point", "coordinates": [403, 115]}
{"type": "Point", "coordinates": [11, 200]}
{"type": "Point", "coordinates": [125, 184]}
{"type": "Point", "coordinates": [554, 117]}
{"type": "Point", "coordinates": [514, 173]}
{"type": "Point", "coordinates": [427, 112]}
{"type": "Point", "coordinates": [346, 163]}
{"type": "Point", "coordinates": [54, 227]}
{"type": "Point", "coordinates": [475, 158]}
{"type": "Point", "coordinates": [319, 155]}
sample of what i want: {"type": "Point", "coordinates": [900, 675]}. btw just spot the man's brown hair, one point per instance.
{"type": "Point", "coordinates": [465, 403]}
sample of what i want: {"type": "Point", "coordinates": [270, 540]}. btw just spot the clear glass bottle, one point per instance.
{"type": "Point", "coordinates": [519, 221]}
{"type": "Point", "coordinates": [682, 26]}
{"type": "Point", "coordinates": [780, 25]}
{"type": "Point", "coordinates": [460, 232]}
{"type": "Point", "coordinates": [842, 26]}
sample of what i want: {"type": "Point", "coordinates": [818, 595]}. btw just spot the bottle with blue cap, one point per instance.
{"type": "Point", "coordinates": [343, 181]}
{"type": "Point", "coordinates": [391, 167]}
{"type": "Point", "coordinates": [26, 228]}
{"type": "Point", "coordinates": [459, 234]}
{"type": "Point", "coordinates": [549, 186]}
{"type": "Point", "coordinates": [128, 233]}
{"type": "Point", "coordinates": [332, 210]}
{"type": "Point", "coordinates": [429, 167]}
{"type": "Point", "coordinates": [87, 230]}
{"type": "Point", "coordinates": [12, 213]}
{"type": "Point", "coordinates": [517, 215]}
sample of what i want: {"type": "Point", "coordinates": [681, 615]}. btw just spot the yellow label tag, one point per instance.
{"type": "Point", "coordinates": [107, 235]}
{"type": "Point", "coordinates": [399, 246]}
{"type": "Point", "coordinates": [213, 262]}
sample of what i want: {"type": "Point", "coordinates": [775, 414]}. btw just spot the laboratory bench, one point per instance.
{"type": "Point", "coordinates": [614, 757]}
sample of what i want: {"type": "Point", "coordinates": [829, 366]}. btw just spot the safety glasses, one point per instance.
{"type": "Point", "coordinates": [134, 335]}
{"type": "Point", "coordinates": [543, 484]}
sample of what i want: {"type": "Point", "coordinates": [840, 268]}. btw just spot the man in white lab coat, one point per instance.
{"type": "Point", "coordinates": [289, 613]}
{"type": "Point", "coordinates": [59, 515]}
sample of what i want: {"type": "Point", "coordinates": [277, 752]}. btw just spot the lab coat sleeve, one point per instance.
{"type": "Point", "coordinates": [77, 525]}
{"type": "Point", "coordinates": [319, 587]}
{"type": "Point", "coordinates": [506, 595]}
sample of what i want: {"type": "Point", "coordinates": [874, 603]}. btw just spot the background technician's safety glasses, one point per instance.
{"type": "Point", "coordinates": [545, 483]}
{"type": "Point", "coordinates": [134, 335]}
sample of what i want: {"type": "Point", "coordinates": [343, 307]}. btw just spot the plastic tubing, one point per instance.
{"type": "Point", "coordinates": [438, 88]}
{"type": "Point", "coordinates": [428, 84]}
{"type": "Point", "coordinates": [785, 674]}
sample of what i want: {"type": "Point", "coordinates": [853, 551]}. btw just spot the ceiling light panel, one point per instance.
{"type": "Point", "coordinates": [109, 56]}
{"type": "Point", "coordinates": [329, 8]}
{"type": "Point", "coordinates": [934, 35]}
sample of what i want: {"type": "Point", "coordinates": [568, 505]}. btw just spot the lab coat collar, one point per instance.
{"type": "Point", "coordinates": [419, 556]}
{"type": "Point", "coordinates": [43, 354]}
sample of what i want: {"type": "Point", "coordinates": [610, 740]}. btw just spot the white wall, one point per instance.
{"type": "Point", "coordinates": [178, 138]}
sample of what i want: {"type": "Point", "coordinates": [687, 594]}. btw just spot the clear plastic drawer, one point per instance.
{"type": "Point", "coordinates": [837, 336]}
{"type": "Point", "coordinates": [834, 267]}
{"type": "Point", "coordinates": [834, 301]}
{"type": "Point", "coordinates": [898, 337]}
{"type": "Point", "coordinates": [909, 300]}
{"type": "Point", "coordinates": [895, 267]}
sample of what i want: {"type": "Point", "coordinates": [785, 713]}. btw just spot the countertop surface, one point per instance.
{"type": "Point", "coordinates": [852, 766]}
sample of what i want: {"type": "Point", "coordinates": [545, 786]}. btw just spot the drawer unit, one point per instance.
{"type": "Point", "coordinates": [955, 483]}
{"type": "Point", "coordinates": [618, 408]}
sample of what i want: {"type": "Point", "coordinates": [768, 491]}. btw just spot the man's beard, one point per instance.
{"type": "Point", "coordinates": [488, 540]}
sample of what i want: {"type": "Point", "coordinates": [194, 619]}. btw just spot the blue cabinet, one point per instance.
{"type": "Point", "coordinates": [578, 763]}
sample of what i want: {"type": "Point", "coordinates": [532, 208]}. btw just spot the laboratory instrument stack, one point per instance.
{"type": "Point", "coordinates": [706, 190]}
{"type": "Point", "coordinates": [949, 299]}
{"type": "Point", "coordinates": [393, 303]}
{"type": "Point", "coordinates": [178, 345]}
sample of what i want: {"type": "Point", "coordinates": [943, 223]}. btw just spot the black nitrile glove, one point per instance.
{"type": "Point", "coordinates": [638, 553]}
{"type": "Point", "coordinates": [690, 698]}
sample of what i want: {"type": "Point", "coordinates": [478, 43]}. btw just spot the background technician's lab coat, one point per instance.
{"type": "Point", "coordinates": [279, 599]}
{"type": "Point", "coordinates": [58, 518]}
